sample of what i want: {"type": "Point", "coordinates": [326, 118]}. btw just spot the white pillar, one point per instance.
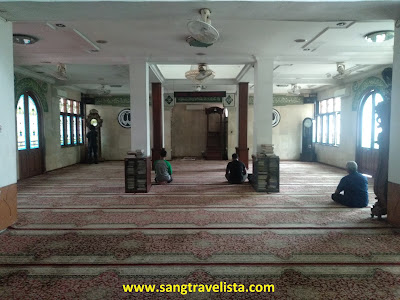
{"type": "Point", "coordinates": [263, 100]}
{"type": "Point", "coordinates": [8, 140]}
{"type": "Point", "coordinates": [394, 144]}
{"type": "Point", "coordinates": [139, 85]}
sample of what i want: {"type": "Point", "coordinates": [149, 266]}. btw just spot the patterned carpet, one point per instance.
{"type": "Point", "coordinates": [79, 236]}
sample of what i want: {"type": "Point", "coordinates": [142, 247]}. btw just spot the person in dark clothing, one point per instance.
{"type": "Point", "coordinates": [354, 186]}
{"type": "Point", "coordinates": [235, 170]}
{"type": "Point", "coordinates": [92, 144]}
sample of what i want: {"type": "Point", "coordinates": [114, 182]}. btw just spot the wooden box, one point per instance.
{"type": "Point", "coordinates": [137, 174]}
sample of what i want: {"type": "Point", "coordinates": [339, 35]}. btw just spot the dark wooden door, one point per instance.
{"type": "Point", "coordinates": [367, 153]}
{"type": "Point", "coordinates": [367, 160]}
{"type": "Point", "coordinates": [29, 136]}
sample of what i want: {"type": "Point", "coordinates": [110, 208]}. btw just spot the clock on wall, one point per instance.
{"type": "Point", "coordinates": [94, 119]}
{"type": "Point", "coordinates": [307, 153]}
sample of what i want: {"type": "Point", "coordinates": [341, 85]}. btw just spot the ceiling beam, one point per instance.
{"type": "Point", "coordinates": [210, 82]}
{"type": "Point", "coordinates": [157, 72]}
{"type": "Point", "coordinates": [243, 72]}
{"type": "Point", "coordinates": [305, 81]}
{"type": "Point", "coordinates": [72, 87]}
{"type": "Point", "coordinates": [29, 73]}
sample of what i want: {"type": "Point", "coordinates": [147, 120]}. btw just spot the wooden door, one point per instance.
{"type": "Point", "coordinates": [367, 153]}
{"type": "Point", "coordinates": [29, 136]}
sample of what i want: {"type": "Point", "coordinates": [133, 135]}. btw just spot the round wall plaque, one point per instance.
{"type": "Point", "coordinates": [276, 117]}
{"type": "Point", "coordinates": [124, 118]}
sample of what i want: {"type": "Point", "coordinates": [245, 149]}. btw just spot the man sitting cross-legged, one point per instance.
{"type": "Point", "coordinates": [354, 186]}
{"type": "Point", "coordinates": [235, 170]}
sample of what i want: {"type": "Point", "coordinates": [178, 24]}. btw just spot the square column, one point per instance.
{"type": "Point", "coordinates": [139, 85]}
{"type": "Point", "coordinates": [242, 150]}
{"type": "Point", "coordinates": [393, 202]}
{"type": "Point", "coordinates": [265, 163]}
{"type": "Point", "coordinates": [263, 101]}
{"type": "Point", "coordinates": [138, 165]}
{"type": "Point", "coordinates": [156, 94]}
{"type": "Point", "coordinates": [8, 139]}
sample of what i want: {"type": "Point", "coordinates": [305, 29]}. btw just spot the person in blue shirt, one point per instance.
{"type": "Point", "coordinates": [354, 186]}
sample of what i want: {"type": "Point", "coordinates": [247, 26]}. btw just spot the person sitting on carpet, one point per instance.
{"type": "Point", "coordinates": [235, 170]}
{"type": "Point", "coordinates": [354, 186]}
{"type": "Point", "coordinates": [163, 168]}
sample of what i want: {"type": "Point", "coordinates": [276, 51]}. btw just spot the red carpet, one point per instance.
{"type": "Point", "coordinates": [79, 236]}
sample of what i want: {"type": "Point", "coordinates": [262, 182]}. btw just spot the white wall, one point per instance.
{"type": "Point", "coordinates": [346, 151]}
{"type": "Point", "coordinates": [8, 140]}
{"type": "Point", "coordinates": [115, 140]}
{"type": "Point", "coordinates": [56, 156]}
{"type": "Point", "coordinates": [286, 136]}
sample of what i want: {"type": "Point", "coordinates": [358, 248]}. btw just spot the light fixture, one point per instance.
{"type": "Point", "coordinates": [379, 36]}
{"type": "Point", "coordinates": [341, 68]}
{"type": "Point", "coordinates": [24, 39]}
{"type": "Point", "coordinates": [199, 73]}
{"type": "Point", "coordinates": [103, 91]}
{"type": "Point", "coordinates": [299, 40]}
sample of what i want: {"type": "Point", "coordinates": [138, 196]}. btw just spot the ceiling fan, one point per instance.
{"type": "Point", "coordinates": [202, 31]}
{"type": "Point", "coordinates": [101, 91]}
{"type": "Point", "coordinates": [294, 89]}
{"type": "Point", "coordinates": [61, 73]}
{"type": "Point", "coordinates": [200, 73]}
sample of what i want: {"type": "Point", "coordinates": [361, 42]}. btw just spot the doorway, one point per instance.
{"type": "Point", "coordinates": [29, 136]}
{"type": "Point", "coordinates": [367, 149]}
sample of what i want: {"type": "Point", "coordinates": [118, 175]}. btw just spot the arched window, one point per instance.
{"type": "Point", "coordinates": [27, 123]}
{"type": "Point", "coordinates": [369, 125]}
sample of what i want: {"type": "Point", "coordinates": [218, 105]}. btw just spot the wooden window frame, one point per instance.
{"type": "Point", "coordinates": [78, 124]}
{"type": "Point", "coordinates": [320, 125]}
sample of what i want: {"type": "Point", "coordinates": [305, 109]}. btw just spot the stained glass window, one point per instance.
{"type": "Point", "coordinates": [80, 130]}
{"type": "Point", "coordinates": [325, 129]}
{"type": "Point", "coordinates": [21, 134]}
{"type": "Point", "coordinates": [370, 129]}
{"type": "Point", "coordinates": [33, 124]}
{"type": "Point", "coordinates": [366, 123]}
{"type": "Point", "coordinates": [337, 129]}
{"type": "Point", "coordinates": [61, 130]}
{"type": "Point", "coordinates": [328, 121]}
{"type": "Point", "coordinates": [62, 105]}
{"type": "Point", "coordinates": [69, 106]}
{"type": "Point", "coordinates": [74, 130]}
{"type": "Point", "coordinates": [75, 104]}
{"type": "Point", "coordinates": [71, 123]}
{"type": "Point", "coordinates": [68, 131]}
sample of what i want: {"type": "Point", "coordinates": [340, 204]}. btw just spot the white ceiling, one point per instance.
{"type": "Point", "coordinates": [157, 33]}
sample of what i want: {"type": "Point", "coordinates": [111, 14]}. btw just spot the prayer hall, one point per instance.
{"type": "Point", "coordinates": [98, 97]}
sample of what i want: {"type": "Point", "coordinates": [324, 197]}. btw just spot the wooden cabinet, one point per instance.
{"type": "Point", "coordinates": [215, 133]}
{"type": "Point", "coordinates": [137, 174]}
